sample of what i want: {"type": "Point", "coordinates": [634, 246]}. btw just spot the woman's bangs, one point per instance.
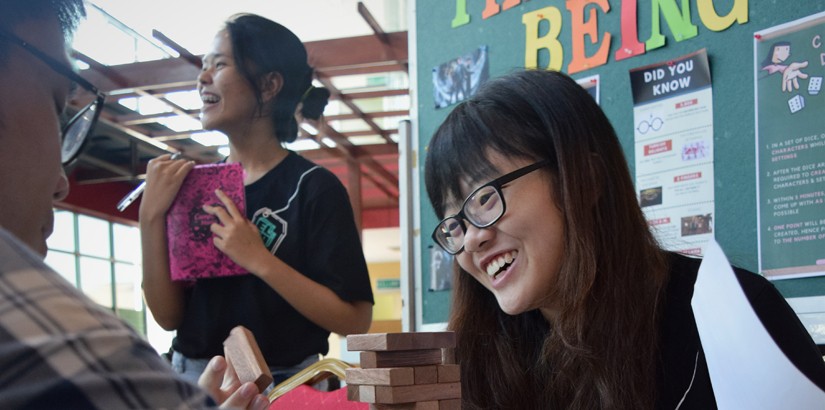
{"type": "Point", "coordinates": [460, 150]}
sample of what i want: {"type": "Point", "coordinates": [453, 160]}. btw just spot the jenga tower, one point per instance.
{"type": "Point", "coordinates": [411, 371]}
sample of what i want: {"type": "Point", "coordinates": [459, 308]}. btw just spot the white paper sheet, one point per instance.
{"type": "Point", "coordinates": [747, 369]}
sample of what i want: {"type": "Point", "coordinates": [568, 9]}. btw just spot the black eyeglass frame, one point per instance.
{"type": "Point", "coordinates": [497, 184]}
{"type": "Point", "coordinates": [67, 72]}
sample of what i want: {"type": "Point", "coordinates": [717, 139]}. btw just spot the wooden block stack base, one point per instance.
{"type": "Point", "coordinates": [405, 371]}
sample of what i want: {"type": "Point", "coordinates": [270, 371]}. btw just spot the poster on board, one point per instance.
{"type": "Point", "coordinates": [789, 66]}
{"type": "Point", "coordinates": [441, 269]}
{"type": "Point", "coordinates": [673, 121]}
{"type": "Point", "coordinates": [591, 85]}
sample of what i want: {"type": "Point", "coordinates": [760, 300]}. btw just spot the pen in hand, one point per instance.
{"type": "Point", "coordinates": [135, 194]}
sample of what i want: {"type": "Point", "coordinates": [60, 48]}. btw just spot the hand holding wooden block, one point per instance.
{"type": "Point", "coordinates": [244, 355]}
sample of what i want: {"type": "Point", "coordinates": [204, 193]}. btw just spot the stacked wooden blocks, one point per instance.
{"type": "Point", "coordinates": [410, 371]}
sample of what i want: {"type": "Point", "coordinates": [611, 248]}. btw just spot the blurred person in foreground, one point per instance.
{"type": "Point", "coordinates": [57, 347]}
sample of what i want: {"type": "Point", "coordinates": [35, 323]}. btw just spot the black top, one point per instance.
{"type": "Point", "coordinates": [305, 218]}
{"type": "Point", "coordinates": [680, 343]}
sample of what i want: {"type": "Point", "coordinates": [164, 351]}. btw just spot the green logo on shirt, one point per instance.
{"type": "Point", "coordinates": [272, 228]}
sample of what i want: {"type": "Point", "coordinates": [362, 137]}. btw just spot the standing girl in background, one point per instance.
{"type": "Point", "coordinates": [298, 238]}
{"type": "Point", "coordinates": [564, 299]}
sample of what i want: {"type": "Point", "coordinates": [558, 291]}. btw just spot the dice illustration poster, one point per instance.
{"type": "Point", "coordinates": [789, 64]}
{"type": "Point", "coordinates": [673, 121]}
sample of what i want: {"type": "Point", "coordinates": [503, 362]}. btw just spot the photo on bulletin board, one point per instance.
{"type": "Point", "coordinates": [458, 79]}
{"type": "Point", "coordinates": [441, 269]}
{"type": "Point", "coordinates": [591, 85]}
{"type": "Point", "coordinates": [697, 224]}
{"type": "Point", "coordinates": [650, 196]}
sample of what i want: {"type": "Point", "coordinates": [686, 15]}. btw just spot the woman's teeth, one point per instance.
{"type": "Point", "coordinates": [501, 263]}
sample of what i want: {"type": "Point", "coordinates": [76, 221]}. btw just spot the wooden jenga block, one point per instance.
{"type": "Point", "coordinates": [392, 376]}
{"type": "Point", "coordinates": [426, 374]}
{"type": "Point", "coordinates": [451, 404]}
{"type": "Point", "coordinates": [421, 405]}
{"type": "Point", "coordinates": [449, 373]}
{"type": "Point", "coordinates": [362, 393]}
{"type": "Point", "coordinates": [353, 392]}
{"type": "Point", "coordinates": [448, 355]}
{"type": "Point", "coordinates": [413, 393]}
{"type": "Point", "coordinates": [243, 354]}
{"type": "Point", "coordinates": [400, 358]}
{"type": "Point", "coordinates": [400, 341]}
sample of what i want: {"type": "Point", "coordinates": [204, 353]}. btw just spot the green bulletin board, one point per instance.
{"type": "Point", "coordinates": [710, 24]}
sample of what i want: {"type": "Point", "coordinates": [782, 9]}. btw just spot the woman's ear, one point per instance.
{"type": "Point", "coordinates": [271, 86]}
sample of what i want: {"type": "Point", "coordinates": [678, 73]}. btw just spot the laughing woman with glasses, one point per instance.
{"type": "Point", "coordinates": [563, 297]}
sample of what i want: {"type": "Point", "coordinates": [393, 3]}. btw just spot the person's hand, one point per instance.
{"type": "Point", "coordinates": [791, 74]}
{"type": "Point", "coordinates": [221, 382]}
{"type": "Point", "coordinates": [164, 177]}
{"type": "Point", "coordinates": [236, 236]}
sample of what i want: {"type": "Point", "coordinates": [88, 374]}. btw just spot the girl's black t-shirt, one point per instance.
{"type": "Point", "coordinates": [305, 218]}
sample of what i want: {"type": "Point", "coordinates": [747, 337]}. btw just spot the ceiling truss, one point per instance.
{"type": "Point", "coordinates": [125, 140]}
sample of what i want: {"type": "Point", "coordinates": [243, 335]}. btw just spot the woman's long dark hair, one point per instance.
{"type": "Point", "coordinates": [601, 351]}
{"type": "Point", "coordinates": [261, 47]}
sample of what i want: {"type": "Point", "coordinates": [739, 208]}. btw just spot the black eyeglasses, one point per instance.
{"type": "Point", "coordinates": [482, 208]}
{"type": "Point", "coordinates": [77, 129]}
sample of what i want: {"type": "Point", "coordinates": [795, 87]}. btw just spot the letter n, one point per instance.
{"type": "Point", "coordinates": [678, 21]}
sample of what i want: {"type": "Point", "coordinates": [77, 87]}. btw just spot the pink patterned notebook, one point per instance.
{"type": "Point", "coordinates": [192, 254]}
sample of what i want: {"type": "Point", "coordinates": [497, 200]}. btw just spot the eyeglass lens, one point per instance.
{"type": "Point", "coordinates": [76, 131]}
{"type": "Point", "coordinates": [484, 206]}
{"type": "Point", "coordinates": [450, 235]}
{"type": "Point", "coordinates": [482, 209]}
